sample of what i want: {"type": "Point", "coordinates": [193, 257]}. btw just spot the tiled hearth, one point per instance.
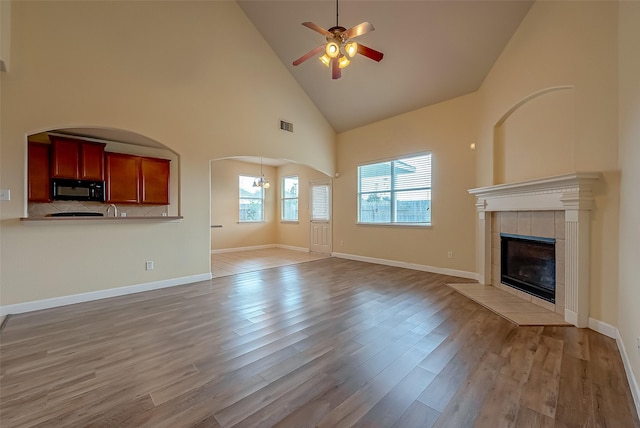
{"type": "Point", "coordinates": [555, 207]}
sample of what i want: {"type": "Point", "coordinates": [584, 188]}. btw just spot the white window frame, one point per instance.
{"type": "Point", "coordinates": [284, 199]}
{"type": "Point", "coordinates": [394, 191]}
{"type": "Point", "coordinates": [241, 197]}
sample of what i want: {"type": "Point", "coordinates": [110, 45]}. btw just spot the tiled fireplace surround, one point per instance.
{"type": "Point", "coordinates": [555, 207]}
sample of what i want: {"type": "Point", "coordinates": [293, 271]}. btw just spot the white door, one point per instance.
{"type": "Point", "coordinates": [321, 217]}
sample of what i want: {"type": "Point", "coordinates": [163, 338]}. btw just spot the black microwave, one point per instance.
{"type": "Point", "coordinates": [77, 190]}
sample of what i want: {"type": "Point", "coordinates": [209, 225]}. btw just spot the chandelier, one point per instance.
{"type": "Point", "coordinates": [261, 181]}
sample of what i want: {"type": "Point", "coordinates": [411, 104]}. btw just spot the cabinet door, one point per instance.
{"type": "Point", "coordinates": [154, 176]}
{"type": "Point", "coordinates": [65, 158]}
{"type": "Point", "coordinates": [39, 172]}
{"type": "Point", "coordinates": [122, 178]}
{"type": "Point", "coordinates": [92, 161]}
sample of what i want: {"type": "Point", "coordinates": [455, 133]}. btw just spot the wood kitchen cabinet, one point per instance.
{"type": "Point", "coordinates": [39, 172]}
{"type": "Point", "coordinates": [122, 182]}
{"type": "Point", "coordinates": [136, 179]}
{"type": "Point", "coordinates": [154, 181]}
{"type": "Point", "coordinates": [77, 159]}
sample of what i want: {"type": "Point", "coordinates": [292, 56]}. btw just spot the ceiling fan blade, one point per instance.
{"type": "Point", "coordinates": [336, 73]}
{"type": "Point", "coordinates": [370, 53]}
{"type": "Point", "coordinates": [311, 53]}
{"type": "Point", "coordinates": [359, 30]}
{"type": "Point", "coordinates": [317, 28]}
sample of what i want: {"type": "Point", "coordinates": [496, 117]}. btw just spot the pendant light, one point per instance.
{"type": "Point", "coordinates": [261, 181]}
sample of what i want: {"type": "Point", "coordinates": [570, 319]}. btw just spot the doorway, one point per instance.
{"type": "Point", "coordinates": [320, 211]}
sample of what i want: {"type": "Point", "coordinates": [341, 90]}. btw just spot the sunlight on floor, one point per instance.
{"type": "Point", "coordinates": [231, 263]}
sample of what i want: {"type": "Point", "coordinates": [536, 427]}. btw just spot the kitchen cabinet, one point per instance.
{"type": "Point", "coordinates": [39, 172]}
{"type": "Point", "coordinates": [136, 179]}
{"type": "Point", "coordinates": [122, 182]}
{"type": "Point", "coordinates": [154, 181]}
{"type": "Point", "coordinates": [77, 159]}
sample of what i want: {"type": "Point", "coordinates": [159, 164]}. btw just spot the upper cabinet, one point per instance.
{"type": "Point", "coordinates": [154, 181]}
{"type": "Point", "coordinates": [136, 179]}
{"type": "Point", "coordinates": [77, 159]}
{"type": "Point", "coordinates": [38, 171]}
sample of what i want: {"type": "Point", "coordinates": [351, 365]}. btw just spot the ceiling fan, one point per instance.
{"type": "Point", "coordinates": [339, 47]}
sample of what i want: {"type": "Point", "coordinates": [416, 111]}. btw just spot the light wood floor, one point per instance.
{"type": "Point", "coordinates": [328, 343]}
{"type": "Point", "coordinates": [234, 262]}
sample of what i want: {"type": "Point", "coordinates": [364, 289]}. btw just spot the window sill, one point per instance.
{"type": "Point", "coordinates": [408, 225]}
{"type": "Point", "coordinates": [251, 221]}
{"type": "Point", "coordinates": [289, 222]}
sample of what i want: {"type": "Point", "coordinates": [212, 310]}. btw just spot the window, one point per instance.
{"type": "Point", "coordinates": [251, 200]}
{"type": "Point", "coordinates": [290, 198]}
{"type": "Point", "coordinates": [395, 192]}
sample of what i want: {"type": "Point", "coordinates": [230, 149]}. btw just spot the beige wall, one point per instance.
{"type": "Point", "coordinates": [165, 70]}
{"type": "Point", "coordinates": [291, 233]}
{"type": "Point", "coordinates": [629, 107]}
{"type": "Point", "coordinates": [549, 106]}
{"type": "Point", "coordinates": [446, 130]}
{"type": "Point", "coordinates": [224, 206]}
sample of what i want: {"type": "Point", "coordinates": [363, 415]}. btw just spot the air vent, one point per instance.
{"type": "Point", "coordinates": [286, 126]}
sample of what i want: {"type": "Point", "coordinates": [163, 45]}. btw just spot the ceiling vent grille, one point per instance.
{"type": "Point", "coordinates": [286, 126]}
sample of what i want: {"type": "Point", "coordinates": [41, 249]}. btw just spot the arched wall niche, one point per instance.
{"type": "Point", "coordinates": [118, 141]}
{"type": "Point", "coordinates": [535, 137]}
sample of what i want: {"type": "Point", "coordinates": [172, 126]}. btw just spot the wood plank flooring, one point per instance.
{"type": "Point", "coordinates": [328, 343]}
{"type": "Point", "coordinates": [235, 262]}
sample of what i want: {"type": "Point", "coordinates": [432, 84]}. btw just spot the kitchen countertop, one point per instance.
{"type": "Point", "coordinates": [102, 219]}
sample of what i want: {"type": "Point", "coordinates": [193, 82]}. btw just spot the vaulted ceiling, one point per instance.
{"type": "Point", "coordinates": [433, 51]}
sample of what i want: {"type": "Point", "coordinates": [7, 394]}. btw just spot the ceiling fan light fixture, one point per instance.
{"type": "Point", "coordinates": [332, 49]}
{"type": "Point", "coordinates": [325, 59]}
{"type": "Point", "coordinates": [352, 49]}
{"type": "Point", "coordinates": [343, 61]}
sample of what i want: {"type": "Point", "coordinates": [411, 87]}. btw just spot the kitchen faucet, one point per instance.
{"type": "Point", "coordinates": [115, 210]}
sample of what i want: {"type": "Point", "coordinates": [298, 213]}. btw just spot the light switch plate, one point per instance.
{"type": "Point", "coordinates": [5, 195]}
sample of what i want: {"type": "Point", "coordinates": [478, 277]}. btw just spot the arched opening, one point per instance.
{"type": "Point", "coordinates": [102, 172]}
{"type": "Point", "coordinates": [274, 238]}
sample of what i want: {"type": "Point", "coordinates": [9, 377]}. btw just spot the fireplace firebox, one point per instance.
{"type": "Point", "coordinates": [528, 263]}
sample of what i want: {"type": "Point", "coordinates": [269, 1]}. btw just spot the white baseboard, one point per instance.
{"type": "Point", "coordinates": [614, 333]}
{"type": "Point", "coordinates": [232, 250]}
{"type": "Point", "coordinates": [631, 378]}
{"type": "Point", "coordinates": [603, 328]}
{"type": "Point", "coordinates": [259, 247]}
{"type": "Point", "coordinates": [291, 247]}
{"type": "Point", "coordinates": [37, 305]}
{"type": "Point", "coordinates": [414, 266]}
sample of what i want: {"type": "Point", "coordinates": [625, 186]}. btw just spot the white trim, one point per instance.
{"type": "Point", "coordinates": [614, 333]}
{"type": "Point", "coordinates": [414, 266]}
{"type": "Point", "coordinates": [232, 250]}
{"type": "Point", "coordinates": [37, 305]}
{"type": "Point", "coordinates": [291, 247]}
{"type": "Point", "coordinates": [633, 383]}
{"type": "Point", "coordinates": [260, 247]}
{"type": "Point", "coordinates": [603, 328]}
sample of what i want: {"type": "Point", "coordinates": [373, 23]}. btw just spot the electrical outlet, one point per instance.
{"type": "Point", "coordinates": [149, 265]}
{"type": "Point", "coordinates": [450, 254]}
{"type": "Point", "coordinates": [5, 195]}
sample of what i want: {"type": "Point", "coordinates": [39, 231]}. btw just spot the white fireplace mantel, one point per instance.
{"type": "Point", "coordinates": [571, 193]}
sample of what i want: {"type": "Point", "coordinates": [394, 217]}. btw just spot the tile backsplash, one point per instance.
{"type": "Point", "coordinates": [43, 209]}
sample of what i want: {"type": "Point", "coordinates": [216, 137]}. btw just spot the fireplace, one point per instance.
{"type": "Point", "coordinates": [569, 195]}
{"type": "Point", "coordinates": [528, 263]}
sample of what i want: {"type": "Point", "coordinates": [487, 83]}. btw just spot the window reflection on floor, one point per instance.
{"type": "Point", "coordinates": [231, 263]}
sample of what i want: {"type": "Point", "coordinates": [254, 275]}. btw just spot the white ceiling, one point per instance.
{"type": "Point", "coordinates": [433, 51]}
